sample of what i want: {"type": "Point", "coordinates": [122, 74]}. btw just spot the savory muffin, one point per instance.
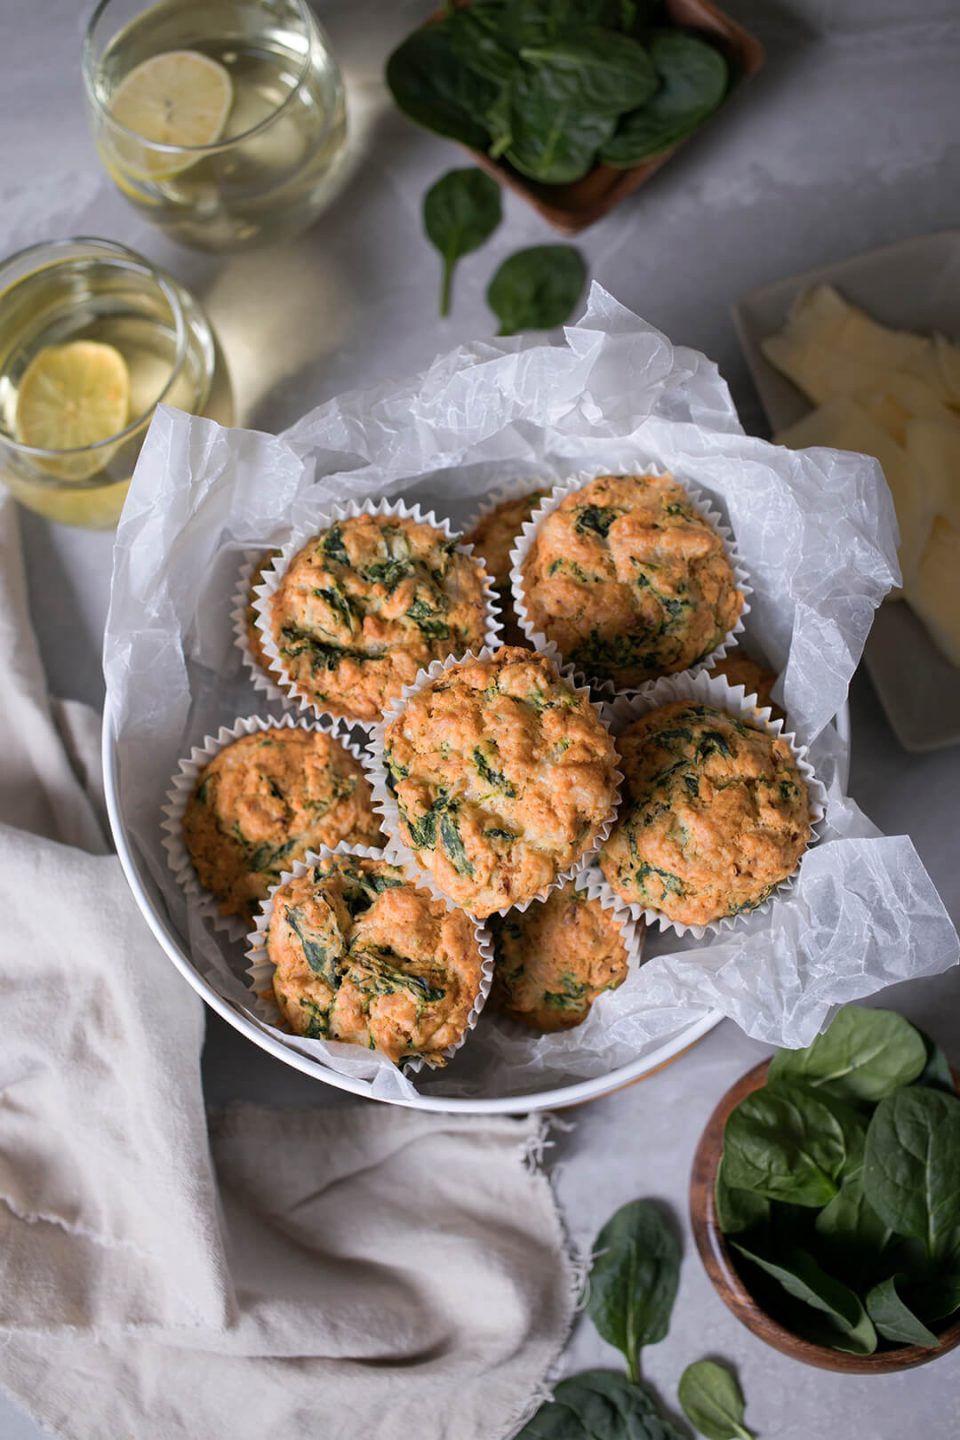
{"type": "Point", "coordinates": [629, 580]}
{"type": "Point", "coordinates": [738, 669]}
{"type": "Point", "coordinates": [503, 775]}
{"type": "Point", "coordinates": [263, 802]}
{"type": "Point", "coordinates": [254, 637]}
{"type": "Point", "coordinates": [717, 814]}
{"type": "Point", "coordinates": [555, 958]}
{"type": "Point", "coordinates": [493, 537]}
{"type": "Point", "coordinates": [363, 956]}
{"type": "Point", "coordinates": [369, 602]}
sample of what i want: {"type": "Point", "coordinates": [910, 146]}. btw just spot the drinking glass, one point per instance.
{"type": "Point", "coordinates": [271, 156]}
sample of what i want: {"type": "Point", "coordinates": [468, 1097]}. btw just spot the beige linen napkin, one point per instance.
{"type": "Point", "coordinates": [331, 1273]}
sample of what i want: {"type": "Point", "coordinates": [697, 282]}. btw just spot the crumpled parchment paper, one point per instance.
{"type": "Point", "coordinates": [816, 529]}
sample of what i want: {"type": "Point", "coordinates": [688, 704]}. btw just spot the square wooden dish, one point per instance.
{"type": "Point", "coordinates": [571, 208]}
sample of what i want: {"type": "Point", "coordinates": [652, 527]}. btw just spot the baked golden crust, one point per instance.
{"type": "Point", "coordinates": [629, 580]}
{"type": "Point", "coordinates": [493, 537]}
{"type": "Point", "coordinates": [554, 958]}
{"type": "Point", "coordinates": [738, 669]}
{"type": "Point", "coordinates": [503, 776]}
{"type": "Point", "coordinates": [367, 603]}
{"type": "Point", "coordinates": [363, 956]}
{"type": "Point", "coordinates": [254, 637]}
{"type": "Point", "coordinates": [263, 802]}
{"type": "Point", "coordinates": [717, 814]}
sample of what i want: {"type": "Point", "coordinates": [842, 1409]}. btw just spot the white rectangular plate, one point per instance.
{"type": "Point", "coordinates": [913, 285]}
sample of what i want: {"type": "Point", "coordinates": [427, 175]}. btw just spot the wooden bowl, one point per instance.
{"type": "Point", "coordinates": [570, 208]}
{"type": "Point", "coordinates": [718, 1260]}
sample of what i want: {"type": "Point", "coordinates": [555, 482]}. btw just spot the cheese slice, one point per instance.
{"type": "Point", "coordinates": [933, 456]}
{"type": "Point", "coordinates": [843, 424]}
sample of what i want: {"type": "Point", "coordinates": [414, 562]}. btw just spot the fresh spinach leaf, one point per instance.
{"type": "Point", "coordinates": [633, 1280]}
{"type": "Point", "coordinates": [786, 1145]}
{"type": "Point", "coordinates": [712, 1401]}
{"type": "Point", "coordinates": [936, 1297]}
{"type": "Point", "coordinates": [936, 1073]}
{"type": "Point", "coordinates": [599, 1405]}
{"type": "Point", "coordinates": [460, 212]}
{"type": "Point", "coordinates": [477, 42]}
{"type": "Point", "coordinates": [434, 88]}
{"type": "Point", "coordinates": [850, 1234]}
{"type": "Point", "coordinates": [893, 1318]}
{"type": "Point", "coordinates": [692, 79]}
{"type": "Point", "coordinates": [536, 289]}
{"type": "Point", "coordinates": [552, 139]}
{"type": "Point", "coordinates": [863, 1055]}
{"type": "Point", "coordinates": [911, 1165]}
{"type": "Point", "coordinates": [598, 71]}
{"type": "Point", "coordinates": [526, 23]}
{"type": "Point", "coordinates": [847, 1327]}
{"type": "Point", "coordinates": [738, 1210]}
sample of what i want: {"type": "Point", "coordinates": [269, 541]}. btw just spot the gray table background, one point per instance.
{"type": "Point", "coordinates": [850, 138]}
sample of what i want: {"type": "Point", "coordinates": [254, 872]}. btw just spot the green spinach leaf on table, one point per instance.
{"type": "Point", "coordinates": [633, 1280]}
{"type": "Point", "coordinates": [599, 1405]}
{"type": "Point", "coordinates": [863, 1055]}
{"type": "Point", "coordinates": [912, 1165]}
{"type": "Point", "coordinates": [536, 289]}
{"type": "Point", "coordinates": [893, 1317]}
{"type": "Point", "coordinates": [460, 212]}
{"type": "Point", "coordinates": [712, 1401]}
{"type": "Point", "coordinates": [841, 1321]}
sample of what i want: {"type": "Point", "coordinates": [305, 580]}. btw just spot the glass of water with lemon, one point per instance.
{"type": "Point", "coordinates": [92, 339]}
{"type": "Point", "coordinates": [221, 120]}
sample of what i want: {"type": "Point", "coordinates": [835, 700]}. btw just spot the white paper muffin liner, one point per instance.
{"type": "Point", "coordinates": [262, 679]}
{"type": "Point", "coordinates": [385, 802]}
{"type": "Point", "coordinates": [201, 900]}
{"type": "Point", "coordinates": [260, 967]}
{"type": "Point", "coordinates": [349, 511]}
{"type": "Point", "coordinates": [704, 688]}
{"type": "Point", "coordinates": [606, 688]}
{"type": "Point", "coordinates": [632, 932]}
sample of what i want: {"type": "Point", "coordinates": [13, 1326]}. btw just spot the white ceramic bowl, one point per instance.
{"type": "Point", "coordinates": [151, 903]}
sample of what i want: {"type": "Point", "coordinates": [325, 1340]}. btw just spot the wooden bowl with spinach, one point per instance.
{"type": "Point", "coordinates": [825, 1198]}
{"type": "Point", "coordinates": [571, 103]}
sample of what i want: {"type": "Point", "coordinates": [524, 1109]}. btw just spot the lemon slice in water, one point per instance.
{"type": "Point", "coordinates": [179, 97]}
{"type": "Point", "coordinates": [72, 396]}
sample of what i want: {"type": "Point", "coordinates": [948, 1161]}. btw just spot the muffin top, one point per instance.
{"type": "Point", "coordinates": [503, 776]}
{"type": "Point", "coordinates": [363, 956]}
{"type": "Point", "coordinates": [494, 537]}
{"type": "Point", "coordinates": [367, 603]}
{"type": "Point", "coordinates": [717, 814]}
{"type": "Point", "coordinates": [555, 958]}
{"type": "Point", "coordinates": [495, 534]}
{"type": "Point", "coordinates": [254, 637]}
{"type": "Point", "coordinates": [263, 802]}
{"type": "Point", "coordinates": [629, 580]}
{"type": "Point", "coordinates": [738, 669]}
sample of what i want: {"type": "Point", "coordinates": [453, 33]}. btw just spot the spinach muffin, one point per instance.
{"type": "Point", "coordinates": [493, 537]}
{"type": "Point", "coordinates": [367, 603]}
{"type": "Point", "coordinates": [555, 958]}
{"type": "Point", "coordinates": [263, 802]}
{"type": "Point", "coordinates": [717, 814]}
{"type": "Point", "coordinates": [363, 956]}
{"type": "Point", "coordinates": [738, 669]}
{"type": "Point", "coordinates": [503, 776]}
{"type": "Point", "coordinates": [629, 580]}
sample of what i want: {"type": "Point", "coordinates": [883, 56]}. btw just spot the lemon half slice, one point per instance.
{"type": "Point", "coordinates": [179, 97]}
{"type": "Point", "coordinates": [72, 396]}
